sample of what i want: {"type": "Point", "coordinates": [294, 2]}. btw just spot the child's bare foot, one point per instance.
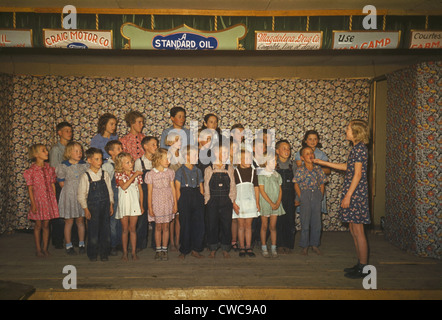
{"type": "Point", "coordinates": [46, 253]}
{"type": "Point", "coordinates": [39, 254]}
{"type": "Point", "coordinates": [304, 251]}
{"type": "Point", "coordinates": [196, 255]}
{"type": "Point", "coordinates": [226, 255]}
{"type": "Point", "coordinates": [316, 250]}
{"type": "Point", "coordinates": [173, 248]}
{"type": "Point", "coordinates": [212, 254]}
{"type": "Point", "coordinates": [124, 257]}
{"type": "Point", "coordinates": [182, 256]}
{"type": "Point", "coordinates": [134, 256]}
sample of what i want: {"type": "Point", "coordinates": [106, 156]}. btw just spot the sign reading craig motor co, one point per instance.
{"type": "Point", "coordinates": [270, 40]}
{"type": "Point", "coordinates": [425, 39]}
{"type": "Point", "coordinates": [183, 38]}
{"type": "Point", "coordinates": [366, 39]}
{"type": "Point", "coordinates": [77, 39]}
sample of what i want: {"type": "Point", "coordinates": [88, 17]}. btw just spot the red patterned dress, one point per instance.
{"type": "Point", "coordinates": [41, 179]}
{"type": "Point", "coordinates": [132, 144]}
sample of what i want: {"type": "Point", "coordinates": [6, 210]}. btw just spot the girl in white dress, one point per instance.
{"type": "Point", "coordinates": [246, 205]}
{"type": "Point", "coordinates": [130, 200]}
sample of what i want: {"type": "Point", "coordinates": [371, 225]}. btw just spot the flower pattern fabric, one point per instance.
{"type": "Point", "coordinates": [34, 105]}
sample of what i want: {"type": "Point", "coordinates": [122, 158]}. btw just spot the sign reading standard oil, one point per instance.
{"type": "Point", "coordinates": [366, 39]}
{"type": "Point", "coordinates": [269, 40]}
{"type": "Point", "coordinates": [183, 38]}
{"type": "Point", "coordinates": [77, 39]}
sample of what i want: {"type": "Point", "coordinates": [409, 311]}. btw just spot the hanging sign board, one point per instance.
{"type": "Point", "coordinates": [354, 40]}
{"type": "Point", "coordinates": [274, 40]}
{"type": "Point", "coordinates": [183, 38]}
{"type": "Point", "coordinates": [425, 39]}
{"type": "Point", "coordinates": [77, 39]}
{"type": "Point", "coordinates": [21, 38]}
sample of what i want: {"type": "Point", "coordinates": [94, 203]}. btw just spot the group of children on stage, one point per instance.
{"type": "Point", "coordinates": [125, 184]}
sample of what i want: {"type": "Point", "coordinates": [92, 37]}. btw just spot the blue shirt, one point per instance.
{"type": "Point", "coordinates": [184, 134]}
{"type": "Point", "coordinates": [100, 142]}
{"type": "Point", "coordinates": [194, 177]}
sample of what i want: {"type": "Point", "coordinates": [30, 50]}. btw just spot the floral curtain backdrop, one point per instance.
{"type": "Point", "coordinates": [290, 107]}
{"type": "Point", "coordinates": [413, 219]}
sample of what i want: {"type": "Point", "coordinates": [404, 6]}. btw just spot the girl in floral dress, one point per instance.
{"type": "Point", "coordinates": [40, 179]}
{"type": "Point", "coordinates": [161, 200]}
{"type": "Point", "coordinates": [68, 176]}
{"type": "Point", "coordinates": [130, 200]}
{"type": "Point", "coordinates": [354, 205]}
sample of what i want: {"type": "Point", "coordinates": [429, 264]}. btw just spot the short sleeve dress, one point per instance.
{"type": "Point", "coordinates": [358, 211]}
{"type": "Point", "coordinates": [41, 180]}
{"type": "Point", "coordinates": [162, 194]}
{"type": "Point", "coordinates": [129, 199]}
{"type": "Point", "coordinates": [68, 205]}
{"type": "Point", "coordinates": [272, 183]}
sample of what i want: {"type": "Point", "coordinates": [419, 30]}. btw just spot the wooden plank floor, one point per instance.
{"type": "Point", "coordinates": [396, 270]}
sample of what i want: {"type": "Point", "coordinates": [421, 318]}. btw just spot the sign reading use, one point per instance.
{"type": "Point", "coordinates": [270, 40]}
{"type": "Point", "coordinates": [353, 40]}
{"type": "Point", "coordinates": [77, 39]}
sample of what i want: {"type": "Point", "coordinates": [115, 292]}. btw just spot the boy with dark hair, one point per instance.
{"type": "Point", "coordinates": [64, 132]}
{"type": "Point", "coordinates": [178, 118]}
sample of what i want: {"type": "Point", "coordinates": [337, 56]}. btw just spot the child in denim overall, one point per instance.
{"type": "Point", "coordinates": [309, 185]}
{"type": "Point", "coordinates": [219, 195]}
{"type": "Point", "coordinates": [113, 148]}
{"type": "Point", "coordinates": [96, 198]}
{"type": "Point", "coordinates": [190, 197]}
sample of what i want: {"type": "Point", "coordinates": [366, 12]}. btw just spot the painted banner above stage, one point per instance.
{"type": "Point", "coordinates": [183, 38]}
{"type": "Point", "coordinates": [425, 39]}
{"type": "Point", "coordinates": [354, 40]}
{"type": "Point", "coordinates": [19, 38]}
{"type": "Point", "coordinates": [77, 39]}
{"type": "Point", "coordinates": [276, 40]}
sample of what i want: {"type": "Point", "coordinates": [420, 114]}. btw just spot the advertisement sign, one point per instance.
{"type": "Point", "coordinates": [274, 40]}
{"type": "Point", "coordinates": [354, 40]}
{"type": "Point", "coordinates": [183, 38]}
{"type": "Point", "coordinates": [77, 39]}
{"type": "Point", "coordinates": [425, 39]}
{"type": "Point", "coordinates": [21, 38]}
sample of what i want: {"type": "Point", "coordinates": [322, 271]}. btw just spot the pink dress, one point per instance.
{"type": "Point", "coordinates": [41, 179]}
{"type": "Point", "coordinates": [162, 196]}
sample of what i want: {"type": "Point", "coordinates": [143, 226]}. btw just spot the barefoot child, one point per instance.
{"type": "Point", "coordinates": [309, 185]}
{"type": "Point", "coordinates": [161, 200]}
{"type": "Point", "coordinates": [354, 206]}
{"type": "Point", "coordinates": [96, 198]}
{"type": "Point", "coordinates": [40, 179]}
{"type": "Point", "coordinates": [68, 174]}
{"type": "Point", "coordinates": [130, 201]}
{"type": "Point", "coordinates": [270, 198]}
{"type": "Point", "coordinates": [190, 196]}
{"type": "Point", "coordinates": [219, 195]}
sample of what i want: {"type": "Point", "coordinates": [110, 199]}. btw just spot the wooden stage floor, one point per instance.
{"type": "Point", "coordinates": [399, 275]}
